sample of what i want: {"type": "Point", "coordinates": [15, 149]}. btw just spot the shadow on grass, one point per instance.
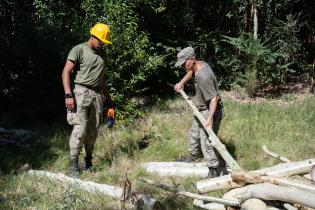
{"type": "Point", "coordinates": [37, 151]}
{"type": "Point", "coordinates": [230, 146]}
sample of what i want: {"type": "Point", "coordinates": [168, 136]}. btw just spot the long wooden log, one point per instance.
{"type": "Point", "coordinates": [172, 164]}
{"type": "Point", "coordinates": [254, 178]}
{"type": "Point", "coordinates": [271, 192]}
{"type": "Point", "coordinates": [280, 170]}
{"type": "Point", "coordinates": [177, 169]}
{"type": "Point", "coordinates": [108, 190]}
{"type": "Point", "coordinates": [189, 194]}
{"type": "Point", "coordinates": [215, 142]}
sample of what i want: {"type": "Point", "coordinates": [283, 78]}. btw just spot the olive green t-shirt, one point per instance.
{"type": "Point", "coordinates": [206, 87]}
{"type": "Point", "coordinates": [90, 65]}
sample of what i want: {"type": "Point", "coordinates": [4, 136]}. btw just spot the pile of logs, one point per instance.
{"type": "Point", "coordinates": [284, 186]}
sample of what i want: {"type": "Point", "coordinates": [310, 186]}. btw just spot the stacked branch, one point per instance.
{"type": "Point", "coordinates": [247, 189]}
{"type": "Point", "coordinates": [253, 188]}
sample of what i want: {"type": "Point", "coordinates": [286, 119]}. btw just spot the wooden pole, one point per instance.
{"type": "Point", "coordinates": [215, 142]}
{"type": "Point", "coordinates": [254, 178]}
{"type": "Point", "coordinates": [108, 190]}
{"type": "Point", "coordinates": [191, 195]}
{"type": "Point", "coordinates": [280, 170]}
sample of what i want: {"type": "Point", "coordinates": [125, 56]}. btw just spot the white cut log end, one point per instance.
{"type": "Point", "coordinates": [253, 203]}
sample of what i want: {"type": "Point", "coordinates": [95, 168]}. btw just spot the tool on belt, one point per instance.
{"type": "Point", "coordinates": [109, 114]}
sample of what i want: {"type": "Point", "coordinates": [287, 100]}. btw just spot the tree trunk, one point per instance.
{"type": "Point", "coordinates": [171, 164]}
{"type": "Point", "coordinates": [180, 171]}
{"type": "Point", "coordinates": [215, 142]}
{"type": "Point", "coordinates": [280, 170]}
{"type": "Point", "coordinates": [270, 192]}
{"type": "Point", "coordinates": [254, 178]}
{"type": "Point", "coordinates": [108, 190]}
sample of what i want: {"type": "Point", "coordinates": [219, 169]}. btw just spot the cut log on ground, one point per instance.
{"type": "Point", "coordinates": [280, 170]}
{"type": "Point", "coordinates": [171, 164]}
{"type": "Point", "coordinates": [253, 203]}
{"type": "Point", "coordinates": [270, 192]}
{"type": "Point", "coordinates": [215, 142]}
{"type": "Point", "coordinates": [254, 178]}
{"type": "Point", "coordinates": [108, 190]}
{"type": "Point", "coordinates": [180, 171]}
{"type": "Point", "coordinates": [275, 155]}
{"type": "Point", "coordinates": [191, 195]}
{"type": "Point", "coordinates": [210, 206]}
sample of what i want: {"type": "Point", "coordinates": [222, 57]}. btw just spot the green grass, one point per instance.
{"type": "Point", "coordinates": [160, 136]}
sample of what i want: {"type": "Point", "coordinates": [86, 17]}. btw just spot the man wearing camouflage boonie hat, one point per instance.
{"type": "Point", "coordinates": [208, 102]}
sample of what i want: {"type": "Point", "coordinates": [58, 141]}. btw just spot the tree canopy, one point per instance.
{"type": "Point", "coordinates": [37, 35]}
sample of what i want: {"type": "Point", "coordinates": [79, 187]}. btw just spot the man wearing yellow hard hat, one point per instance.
{"type": "Point", "coordinates": [85, 93]}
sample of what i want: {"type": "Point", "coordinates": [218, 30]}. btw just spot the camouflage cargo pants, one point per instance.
{"type": "Point", "coordinates": [85, 120]}
{"type": "Point", "coordinates": [198, 140]}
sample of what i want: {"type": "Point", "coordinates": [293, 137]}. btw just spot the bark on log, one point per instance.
{"type": "Point", "coordinates": [215, 142]}
{"type": "Point", "coordinates": [191, 195]}
{"type": "Point", "coordinates": [253, 203]}
{"type": "Point", "coordinates": [269, 192]}
{"type": "Point", "coordinates": [108, 190]}
{"type": "Point", "coordinates": [254, 178]}
{"type": "Point", "coordinates": [275, 155]}
{"type": "Point", "coordinates": [280, 170]}
{"type": "Point", "coordinates": [210, 206]}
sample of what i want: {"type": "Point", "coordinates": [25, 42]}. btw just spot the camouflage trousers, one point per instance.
{"type": "Point", "coordinates": [85, 119]}
{"type": "Point", "coordinates": [198, 140]}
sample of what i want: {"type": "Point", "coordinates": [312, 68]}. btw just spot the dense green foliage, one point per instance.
{"type": "Point", "coordinates": [35, 37]}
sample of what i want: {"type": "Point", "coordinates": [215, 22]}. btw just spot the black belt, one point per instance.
{"type": "Point", "coordinates": [96, 89]}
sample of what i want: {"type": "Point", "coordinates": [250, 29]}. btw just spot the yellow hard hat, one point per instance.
{"type": "Point", "coordinates": [101, 31]}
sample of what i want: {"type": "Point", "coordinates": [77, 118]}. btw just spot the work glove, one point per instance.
{"type": "Point", "coordinates": [109, 114]}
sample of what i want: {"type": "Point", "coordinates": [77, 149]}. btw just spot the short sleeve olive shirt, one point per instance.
{"type": "Point", "coordinates": [90, 65]}
{"type": "Point", "coordinates": [206, 87]}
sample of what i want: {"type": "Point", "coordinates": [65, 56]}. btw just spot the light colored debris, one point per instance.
{"type": "Point", "coordinates": [269, 192]}
{"type": "Point", "coordinates": [191, 195]}
{"type": "Point", "coordinates": [253, 178]}
{"type": "Point", "coordinates": [280, 170]}
{"type": "Point", "coordinates": [275, 155]}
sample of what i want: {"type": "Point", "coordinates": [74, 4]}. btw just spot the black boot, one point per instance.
{"type": "Point", "coordinates": [88, 162]}
{"type": "Point", "coordinates": [75, 172]}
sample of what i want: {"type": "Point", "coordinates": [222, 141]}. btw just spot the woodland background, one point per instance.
{"type": "Point", "coordinates": [36, 36]}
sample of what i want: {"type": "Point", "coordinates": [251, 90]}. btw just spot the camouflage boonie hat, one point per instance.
{"type": "Point", "coordinates": [183, 55]}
